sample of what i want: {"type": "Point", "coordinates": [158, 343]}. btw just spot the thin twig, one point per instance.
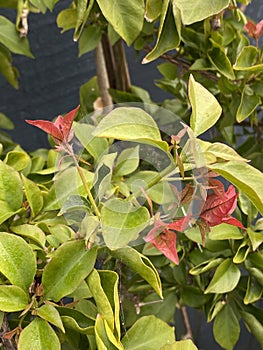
{"type": "Point", "coordinates": [189, 334]}
{"type": "Point", "coordinates": [9, 344]}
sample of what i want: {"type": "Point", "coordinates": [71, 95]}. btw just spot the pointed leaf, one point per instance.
{"type": "Point", "coordinates": [49, 313]}
{"type": "Point", "coordinates": [13, 298]}
{"type": "Point", "coordinates": [33, 195]}
{"type": "Point", "coordinates": [9, 37]}
{"type": "Point", "coordinates": [11, 191]}
{"type": "Point", "coordinates": [205, 108]}
{"type": "Point", "coordinates": [221, 62]}
{"type": "Point", "coordinates": [38, 335]}
{"type": "Point", "coordinates": [224, 231]}
{"type": "Point", "coordinates": [31, 231]}
{"type": "Point", "coordinates": [141, 264]}
{"type": "Point", "coordinates": [247, 60]}
{"type": "Point", "coordinates": [70, 264]}
{"type": "Point", "coordinates": [253, 292]}
{"type": "Point", "coordinates": [102, 302]}
{"type": "Point", "coordinates": [94, 145]}
{"type": "Point", "coordinates": [105, 338]}
{"type": "Point", "coordinates": [168, 37]}
{"type": "Point", "coordinates": [225, 279]}
{"type": "Point", "coordinates": [122, 222]}
{"type": "Point", "coordinates": [197, 10]}
{"type": "Point", "coordinates": [17, 260]}
{"type": "Point", "coordinates": [125, 22]}
{"type": "Point", "coordinates": [226, 328]}
{"type": "Point", "coordinates": [130, 123]}
{"type": "Point", "coordinates": [245, 177]}
{"type": "Point", "coordinates": [254, 326]}
{"type": "Point", "coordinates": [148, 332]}
{"type": "Point", "coordinates": [247, 105]}
{"type": "Point", "coordinates": [127, 161]}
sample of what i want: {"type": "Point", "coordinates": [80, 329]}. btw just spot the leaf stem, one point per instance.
{"type": "Point", "coordinates": [70, 151]}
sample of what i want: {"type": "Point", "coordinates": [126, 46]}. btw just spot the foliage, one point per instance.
{"type": "Point", "coordinates": [133, 214]}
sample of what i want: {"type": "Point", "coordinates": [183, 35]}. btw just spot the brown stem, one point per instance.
{"type": "Point", "coordinates": [183, 64]}
{"type": "Point", "coordinates": [189, 334]}
{"type": "Point", "coordinates": [102, 75]}
{"type": "Point", "coordinates": [9, 344]}
{"type": "Point", "coordinates": [109, 60]}
{"type": "Point", "coordinates": [123, 82]}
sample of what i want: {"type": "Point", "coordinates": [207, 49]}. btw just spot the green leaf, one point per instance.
{"type": "Point", "coordinates": [153, 9]}
{"type": "Point", "coordinates": [221, 62]}
{"type": "Point", "coordinates": [247, 60]}
{"type": "Point", "coordinates": [256, 238]}
{"type": "Point", "coordinates": [67, 19]}
{"type": "Point", "coordinates": [141, 264]}
{"type": "Point", "coordinates": [17, 160]}
{"type": "Point", "coordinates": [168, 37]}
{"type": "Point", "coordinates": [225, 279]}
{"type": "Point", "coordinates": [126, 22]}
{"type": "Point", "coordinates": [105, 338]}
{"type": "Point", "coordinates": [70, 264]}
{"type": "Point", "coordinates": [224, 231]}
{"type": "Point", "coordinates": [38, 335]}
{"type": "Point", "coordinates": [254, 326]}
{"type": "Point", "coordinates": [148, 333]}
{"type": "Point", "coordinates": [103, 175]}
{"type": "Point", "coordinates": [17, 260]}
{"type": "Point", "coordinates": [110, 284]}
{"type": "Point", "coordinates": [83, 10]}
{"type": "Point", "coordinates": [197, 10]}
{"type": "Point", "coordinates": [127, 161]}
{"type": "Point", "coordinates": [253, 264]}
{"type": "Point", "coordinates": [241, 253]}
{"type": "Point", "coordinates": [220, 150]}
{"type": "Point", "coordinates": [249, 102]}
{"type": "Point", "coordinates": [5, 122]}
{"type": "Point", "coordinates": [245, 177]}
{"type": "Point", "coordinates": [12, 298]}
{"type": "Point", "coordinates": [180, 345]}
{"type": "Point", "coordinates": [205, 266]}
{"type": "Point", "coordinates": [101, 298]}
{"type": "Point", "coordinates": [50, 313]}
{"type": "Point", "coordinates": [130, 124]}
{"type": "Point", "coordinates": [76, 320]}
{"type": "Point", "coordinates": [89, 39]}
{"type": "Point", "coordinates": [226, 328]}
{"type": "Point", "coordinates": [10, 38]}
{"type": "Point", "coordinates": [11, 194]}
{"type": "Point", "coordinates": [66, 184]}
{"type": "Point", "coordinates": [205, 108]}
{"type": "Point", "coordinates": [33, 195]}
{"type": "Point", "coordinates": [253, 291]}
{"type": "Point", "coordinates": [6, 68]}
{"type": "Point", "coordinates": [122, 222]}
{"type": "Point", "coordinates": [31, 231]}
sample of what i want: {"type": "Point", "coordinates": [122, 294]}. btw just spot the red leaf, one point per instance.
{"type": "Point", "coordinates": [217, 209]}
{"type": "Point", "coordinates": [166, 243]}
{"type": "Point", "coordinates": [60, 130]}
{"type": "Point", "coordinates": [254, 30]}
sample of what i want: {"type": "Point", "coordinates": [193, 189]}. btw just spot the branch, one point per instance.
{"type": "Point", "coordinates": [189, 334]}
{"type": "Point", "coordinates": [103, 80]}
{"type": "Point", "coordinates": [9, 344]}
{"type": "Point", "coordinates": [183, 64]}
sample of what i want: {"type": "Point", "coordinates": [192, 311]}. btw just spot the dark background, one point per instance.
{"type": "Point", "coordinates": [49, 85]}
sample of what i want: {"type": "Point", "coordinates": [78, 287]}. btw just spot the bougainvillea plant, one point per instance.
{"type": "Point", "coordinates": [135, 219]}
